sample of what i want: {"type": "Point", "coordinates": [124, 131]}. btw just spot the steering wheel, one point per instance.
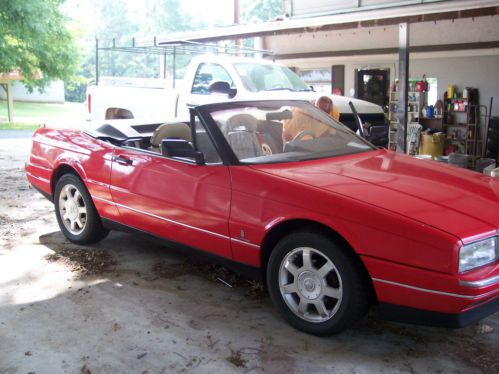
{"type": "Point", "coordinates": [304, 134]}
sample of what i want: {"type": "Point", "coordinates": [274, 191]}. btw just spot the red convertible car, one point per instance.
{"type": "Point", "coordinates": [333, 223]}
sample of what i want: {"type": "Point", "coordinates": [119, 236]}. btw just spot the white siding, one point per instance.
{"type": "Point", "coordinates": [53, 93]}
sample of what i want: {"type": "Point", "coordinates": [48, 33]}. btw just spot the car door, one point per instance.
{"type": "Point", "coordinates": [177, 200]}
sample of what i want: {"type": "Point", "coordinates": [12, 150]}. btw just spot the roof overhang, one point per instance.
{"type": "Point", "coordinates": [421, 12]}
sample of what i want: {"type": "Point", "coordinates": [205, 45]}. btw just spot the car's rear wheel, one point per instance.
{"type": "Point", "coordinates": [75, 211]}
{"type": "Point", "coordinates": [316, 284]}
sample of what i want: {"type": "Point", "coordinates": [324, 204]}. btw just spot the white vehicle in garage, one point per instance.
{"type": "Point", "coordinates": [210, 79]}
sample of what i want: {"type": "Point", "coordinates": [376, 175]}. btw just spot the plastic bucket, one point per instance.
{"type": "Point", "coordinates": [432, 144]}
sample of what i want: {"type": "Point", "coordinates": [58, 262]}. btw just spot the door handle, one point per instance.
{"type": "Point", "coordinates": [123, 160]}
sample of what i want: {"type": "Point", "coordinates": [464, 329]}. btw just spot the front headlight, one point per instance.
{"type": "Point", "coordinates": [477, 254]}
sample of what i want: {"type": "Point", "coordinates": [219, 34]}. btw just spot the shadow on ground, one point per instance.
{"type": "Point", "coordinates": [151, 308]}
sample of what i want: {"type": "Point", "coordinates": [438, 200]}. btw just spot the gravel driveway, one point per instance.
{"type": "Point", "coordinates": [131, 305]}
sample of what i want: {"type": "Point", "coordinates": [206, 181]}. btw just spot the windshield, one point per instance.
{"type": "Point", "coordinates": [284, 131]}
{"type": "Point", "coordinates": [262, 77]}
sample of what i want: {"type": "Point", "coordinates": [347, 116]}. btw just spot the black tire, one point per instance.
{"type": "Point", "coordinates": [91, 229]}
{"type": "Point", "coordinates": [493, 146]}
{"type": "Point", "coordinates": [345, 310]}
{"type": "Point", "coordinates": [491, 155]}
{"type": "Point", "coordinates": [494, 135]}
{"type": "Point", "coordinates": [494, 123]}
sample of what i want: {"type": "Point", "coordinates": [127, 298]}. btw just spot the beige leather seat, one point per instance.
{"type": "Point", "coordinates": [240, 132]}
{"type": "Point", "coordinates": [169, 131]}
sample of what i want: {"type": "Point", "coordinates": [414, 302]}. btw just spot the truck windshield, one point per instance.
{"type": "Point", "coordinates": [283, 131]}
{"type": "Point", "coordinates": [261, 77]}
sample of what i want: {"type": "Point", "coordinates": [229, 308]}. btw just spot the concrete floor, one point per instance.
{"type": "Point", "coordinates": [149, 310]}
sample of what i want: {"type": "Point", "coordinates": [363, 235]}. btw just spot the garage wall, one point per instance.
{"type": "Point", "coordinates": [481, 72]}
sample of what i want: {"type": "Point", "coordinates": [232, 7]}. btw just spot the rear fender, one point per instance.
{"type": "Point", "coordinates": [63, 166]}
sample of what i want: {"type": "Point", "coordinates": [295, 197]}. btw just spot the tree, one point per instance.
{"type": "Point", "coordinates": [261, 10]}
{"type": "Point", "coordinates": [163, 16]}
{"type": "Point", "coordinates": [122, 20]}
{"type": "Point", "coordinates": [35, 40]}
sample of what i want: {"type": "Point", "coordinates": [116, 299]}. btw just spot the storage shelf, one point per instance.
{"type": "Point", "coordinates": [415, 101]}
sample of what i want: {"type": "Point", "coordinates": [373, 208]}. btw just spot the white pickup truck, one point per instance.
{"type": "Point", "coordinates": [210, 79]}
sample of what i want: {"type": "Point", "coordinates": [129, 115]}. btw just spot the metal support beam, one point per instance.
{"type": "Point", "coordinates": [389, 51]}
{"type": "Point", "coordinates": [164, 65]}
{"type": "Point", "coordinates": [403, 87]}
{"type": "Point", "coordinates": [237, 16]}
{"type": "Point", "coordinates": [174, 65]}
{"type": "Point", "coordinates": [96, 62]}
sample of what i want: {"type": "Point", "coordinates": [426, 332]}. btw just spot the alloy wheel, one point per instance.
{"type": "Point", "coordinates": [72, 209]}
{"type": "Point", "coordinates": [310, 284]}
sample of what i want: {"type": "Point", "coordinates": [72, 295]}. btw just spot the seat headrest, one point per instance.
{"type": "Point", "coordinates": [171, 131]}
{"type": "Point", "coordinates": [242, 121]}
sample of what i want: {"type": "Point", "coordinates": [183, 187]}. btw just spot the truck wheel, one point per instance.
{"type": "Point", "coordinates": [75, 211]}
{"type": "Point", "coordinates": [316, 284]}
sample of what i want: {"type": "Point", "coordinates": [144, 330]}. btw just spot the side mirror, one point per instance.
{"type": "Point", "coordinates": [180, 148]}
{"type": "Point", "coordinates": [223, 88]}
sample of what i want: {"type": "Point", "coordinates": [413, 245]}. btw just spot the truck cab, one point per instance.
{"type": "Point", "coordinates": [211, 79]}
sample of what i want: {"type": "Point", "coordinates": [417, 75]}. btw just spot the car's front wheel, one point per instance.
{"type": "Point", "coordinates": [316, 284]}
{"type": "Point", "coordinates": [75, 211]}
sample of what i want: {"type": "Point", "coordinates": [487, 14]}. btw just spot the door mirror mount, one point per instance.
{"type": "Point", "coordinates": [223, 88]}
{"type": "Point", "coordinates": [180, 148]}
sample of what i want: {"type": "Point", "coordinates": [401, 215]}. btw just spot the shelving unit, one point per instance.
{"type": "Point", "coordinates": [461, 117]}
{"type": "Point", "coordinates": [452, 108]}
{"type": "Point", "coordinates": [415, 105]}
{"type": "Point", "coordinates": [473, 145]}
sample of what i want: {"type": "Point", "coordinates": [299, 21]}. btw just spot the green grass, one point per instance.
{"type": "Point", "coordinates": [35, 112]}
{"type": "Point", "coordinates": [18, 126]}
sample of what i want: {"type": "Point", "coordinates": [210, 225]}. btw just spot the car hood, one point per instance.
{"type": "Point", "coordinates": [341, 102]}
{"type": "Point", "coordinates": [461, 202]}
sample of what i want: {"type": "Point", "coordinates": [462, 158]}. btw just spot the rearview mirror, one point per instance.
{"type": "Point", "coordinates": [223, 88]}
{"type": "Point", "coordinates": [180, 148]}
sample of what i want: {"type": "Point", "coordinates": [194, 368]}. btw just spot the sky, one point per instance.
{"type": "Point", "coordinates": [213, 12]}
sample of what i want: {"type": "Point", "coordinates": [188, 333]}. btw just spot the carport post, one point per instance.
{"type": "Point", "coordinates": [174, 63]}
{"type": "Point", "coordinates": [403, 87]}
{"type": "Point", "coordinates": [96, 62]}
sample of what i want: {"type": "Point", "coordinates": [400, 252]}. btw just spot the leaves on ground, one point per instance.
{"type": "Point", "coordinates": [213, 272]}
{"type": "Point", "coordinates": [84, 261]}
{"type": "Point", "coordinates": [236, 359]}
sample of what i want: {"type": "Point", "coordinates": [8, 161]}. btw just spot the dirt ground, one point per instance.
{"type": "Point", "coordinates": [131, 305]}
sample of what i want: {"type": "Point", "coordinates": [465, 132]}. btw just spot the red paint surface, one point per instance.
{"type": "Point", "coordinates": [405, 218]}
